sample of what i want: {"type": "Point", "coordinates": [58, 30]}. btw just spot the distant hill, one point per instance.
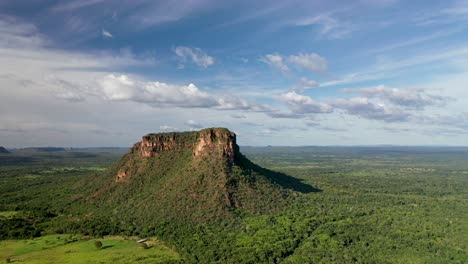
{"type": "Point", "coordinates": [196, 176]}
{"type": "Point", "coordinates": [3, 150]}
{"type": "Point", "coordinates": [46, 149]}
{"type": "Point", "coordinates": [41, 149]}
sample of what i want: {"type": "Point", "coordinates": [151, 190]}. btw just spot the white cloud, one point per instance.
{"type": "Point", "coordinates": [118, 87]}
{"type": "Point", "coordinates": [301, 104]}
{"type": "Point", "coordinates": [363, 107]}
{"type": "Point", "coordinates": [411, 99]}
{"type": "Point", "coordinates": [237, 103]}
{"type": "Point", "coordinates": [106, 34]}
{"type": "Point", "coordinates": [156, 94]}
{"type": "Point", "coordinates": [231, 103]}
{"type": "Point", "coordinates": [121, 87]}
{"type": "Point", "coordinates": [196, 55]}
{"type": "Point", "coordinates": [310, 61]}
{"type": "Point", "coordinates": [275, 60]}
{"type": "Point", "coordinates": [27, 58]}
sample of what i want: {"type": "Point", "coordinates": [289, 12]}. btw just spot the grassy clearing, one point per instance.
{"type": "Point", "coordinates": [8, 214]}
{"type": "Point", "coordinates": [74, 249]}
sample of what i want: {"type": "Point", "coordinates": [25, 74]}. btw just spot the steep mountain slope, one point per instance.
{"type": "Point", "coordinates": [196, 176]}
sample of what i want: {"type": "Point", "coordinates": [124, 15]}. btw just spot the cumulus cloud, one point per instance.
{"type": "Point", "coordinates": [309, 61]}
{"type": "Point", "coordinates": [106, 34]}
{"type": "Point", "coordinates": [363, 107]}
{"type": "Point", "coordinates": [275, 60]}
{"type": "Point", "coordinates": [119, 87]}
{"type": "Point", "coordinates": [231, 103]}
{"type": "Point", "coordinates": [301, 104]}
{"type": "Point", "coordinates": [237, 103]}
{"type": "Point", "coordinates": [122, 87]}
{"type": "Point", "coordinates": [411, 99]}
{"type": "Point", "coordinates": [196, 55]}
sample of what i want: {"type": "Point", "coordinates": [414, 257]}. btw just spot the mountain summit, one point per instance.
{"type": "Point", "coordinates": [215, 143]}
{"type": "Point", "coordinates": [197, 175]}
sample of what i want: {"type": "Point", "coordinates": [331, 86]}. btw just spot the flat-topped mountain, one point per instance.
{"type": "Point", "coordinates": [198, 175]}
{"type": "Point", "coordinates": [217, 143]}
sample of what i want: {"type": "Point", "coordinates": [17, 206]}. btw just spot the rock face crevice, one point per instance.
{"type": "Point", "coordinates": [217, 142]}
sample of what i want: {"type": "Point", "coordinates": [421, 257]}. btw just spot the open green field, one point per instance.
{"type": "Point", "coordinates": [76, 249]}
{"type": "Point", "coordinates": [373, 205]}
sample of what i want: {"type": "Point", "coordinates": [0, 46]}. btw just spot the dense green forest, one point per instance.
{"type": "Point", "coordinates": [364, 205]}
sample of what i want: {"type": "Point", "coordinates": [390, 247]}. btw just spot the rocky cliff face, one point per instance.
{"type": "Point", "coordinates": [153, 144]}
{"type": "Point", "coordinates": [216, 143]}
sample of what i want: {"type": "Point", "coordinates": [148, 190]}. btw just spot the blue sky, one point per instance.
{"type": "Point", "coordinates": [103, 73]}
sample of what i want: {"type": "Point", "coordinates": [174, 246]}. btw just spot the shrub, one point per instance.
{"type": "Point", "coordinates": [98, 244]}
